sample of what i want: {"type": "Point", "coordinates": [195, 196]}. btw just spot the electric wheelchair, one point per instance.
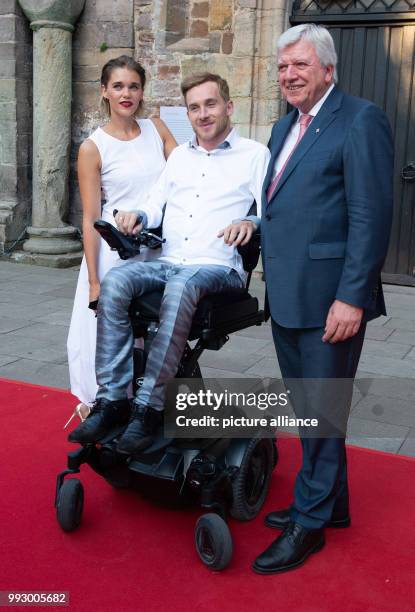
{"type": "Point", "coordinates": [223, 475]}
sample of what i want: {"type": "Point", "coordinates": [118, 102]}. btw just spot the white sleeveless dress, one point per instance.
{"type": "Point", "coordinates": [128, 171]}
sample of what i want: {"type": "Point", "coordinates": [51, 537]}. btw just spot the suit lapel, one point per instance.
{"type": "Point", "coordinates": [284, 126]}
{"type": "Point", "coordinates": [320, 123]}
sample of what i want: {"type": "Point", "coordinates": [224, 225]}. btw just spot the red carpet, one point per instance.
{"type": "Point", "coordinates": [130, 554]}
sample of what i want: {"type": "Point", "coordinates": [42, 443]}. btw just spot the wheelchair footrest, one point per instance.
{"type": "Point", "coordinates": [170, 467]}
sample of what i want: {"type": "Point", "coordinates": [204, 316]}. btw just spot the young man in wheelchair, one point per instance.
{"type": "Point", "coordinates": [207, 189]}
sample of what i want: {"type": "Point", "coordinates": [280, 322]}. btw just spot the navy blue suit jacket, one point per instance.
{"type": "Point", "coordinates": [326, 229]}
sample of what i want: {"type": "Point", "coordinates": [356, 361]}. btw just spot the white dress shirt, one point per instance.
{"type": "Point", "coordinates": [292, 136]}
{"type": "Point", "coordinates": [204, 191]}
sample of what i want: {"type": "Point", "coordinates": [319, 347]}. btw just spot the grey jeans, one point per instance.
{"type": "Point", "coordinates": [184, 287]}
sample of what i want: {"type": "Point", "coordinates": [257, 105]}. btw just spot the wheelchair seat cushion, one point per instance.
{"type": "Point", "coordinates": [148, 305]}
{"type": "Point", "coordinates": [212, 310]}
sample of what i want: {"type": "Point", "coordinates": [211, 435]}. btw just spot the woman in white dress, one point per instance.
{"type": "Point", "coordinates": [117, 166]}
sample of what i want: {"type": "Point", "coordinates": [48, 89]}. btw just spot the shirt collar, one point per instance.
{"type": "Point", "coordinates": [313, 112]}
{"type": "Point", "coordinates": [229, 142]}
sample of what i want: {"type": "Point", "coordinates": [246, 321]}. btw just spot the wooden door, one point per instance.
{"type": "Point", "coordinates": [377, 61]}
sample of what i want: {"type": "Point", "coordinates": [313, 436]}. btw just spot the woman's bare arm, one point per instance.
{"type": "Point", "coordinates": [169, 142]}
{"type": "Point", "coordinates": [89, 176]}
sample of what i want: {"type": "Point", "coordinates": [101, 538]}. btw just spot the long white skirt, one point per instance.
{"type": "Point", "coordinates": [83, 328]}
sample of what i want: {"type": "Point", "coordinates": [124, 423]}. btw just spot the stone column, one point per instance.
{"type": "Point", "coordinates": [15, 123]}
{"type": "Point", "coordinates": [266, 96]}
{"type": "Point", "coordinates": [51, 241]}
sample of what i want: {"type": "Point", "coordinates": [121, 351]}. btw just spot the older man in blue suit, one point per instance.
{"type": "Point", "coordinates": [327, 207]}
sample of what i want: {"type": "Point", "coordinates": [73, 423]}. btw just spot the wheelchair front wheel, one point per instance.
{"type": "Point", "coordinates": [70, 504]}
{"type": "Point", "coordinates": [213, 541]}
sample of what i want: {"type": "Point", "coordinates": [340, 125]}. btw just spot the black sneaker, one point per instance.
{"type": "Point", "coordinates": [144, 422]}
{"type": "Point", "coordinates": [105, 415]}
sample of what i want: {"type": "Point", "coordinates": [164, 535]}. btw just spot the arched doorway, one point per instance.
{"type": "Point", "coordinates": [375, 41]}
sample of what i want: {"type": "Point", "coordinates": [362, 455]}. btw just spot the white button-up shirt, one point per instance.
{"type": "Point", "coordinates": [204, 191]}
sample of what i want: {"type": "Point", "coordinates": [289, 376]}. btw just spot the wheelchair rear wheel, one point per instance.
{"type": "Point", "coordinates": [251, 483]}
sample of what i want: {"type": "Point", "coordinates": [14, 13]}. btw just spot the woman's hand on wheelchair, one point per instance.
{"type": "Point", "coordinates": [127, 223]}
{"type": "Point", "coordinates": [94, 289]}
{"type": "Point", "coordinates": [238, 234]}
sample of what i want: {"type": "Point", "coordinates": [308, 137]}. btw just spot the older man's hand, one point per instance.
{"type": "Point", "coordinates": [343, 322]}
{"type": "Point", "coordinates": [238, 233]}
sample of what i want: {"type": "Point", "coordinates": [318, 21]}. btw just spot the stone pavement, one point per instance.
{"type": "Point", "coordinates": [35, 309]}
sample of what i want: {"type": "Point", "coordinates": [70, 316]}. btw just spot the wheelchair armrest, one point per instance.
{"type": "Point", "coordinates": [250, 252]}
{"type": "Point", "coordinates": [128, 246]}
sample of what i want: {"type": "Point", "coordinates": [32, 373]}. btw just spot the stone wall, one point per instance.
{"type": "Point", "coordinates": [105, 30]}
{"type": "Point", "coordinates": [235, 38]}
{"type": "Point", "coordinates": [15, 122]}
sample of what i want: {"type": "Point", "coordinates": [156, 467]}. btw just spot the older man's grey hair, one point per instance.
{"type": "Point", "coordinates": [318, 36]}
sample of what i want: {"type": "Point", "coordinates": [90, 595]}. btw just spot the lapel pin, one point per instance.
{"type": "Point", "coordinates": [317, 130]}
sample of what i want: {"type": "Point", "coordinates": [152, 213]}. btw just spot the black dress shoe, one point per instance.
{"type": "Point", "coordinates": [105, 415]}
{"type": "Point", "coordinates": [289, 550]}
{"type": "Point", "coordinates": [143, 424]}
{"type": "Point", "coordinates": [280, 519]}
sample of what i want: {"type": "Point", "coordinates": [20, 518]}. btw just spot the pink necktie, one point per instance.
{"type": "Point", "coordinates": [305, 121]}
